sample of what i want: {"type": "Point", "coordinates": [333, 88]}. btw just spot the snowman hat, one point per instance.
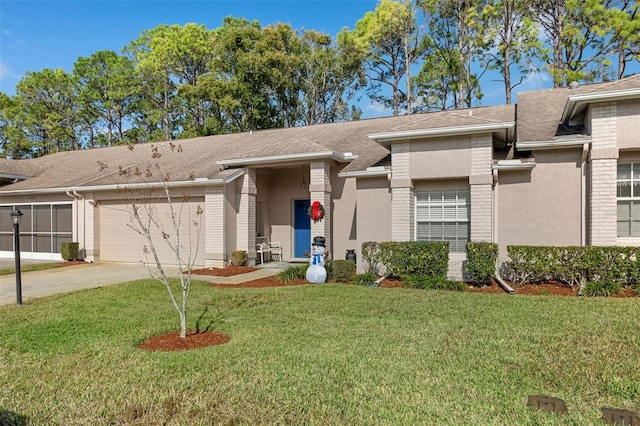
{"type": "Point", "coordinates": [318, 241]}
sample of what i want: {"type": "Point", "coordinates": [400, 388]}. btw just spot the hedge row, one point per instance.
{"type": "Point", "coordinates": [573, 265]}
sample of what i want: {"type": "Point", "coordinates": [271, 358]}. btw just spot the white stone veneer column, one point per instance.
{"type": "Point", "coordinates": [215, 231]}
{"type": "Point", "coordinates": [246, 233]}
{"type": "Point", "coordinates": [320, 190]}
{"type": "Point", "coordinates": [481, 183]}
{"type": "Point", "coordinates": [90, 215]}
{"type": "Point", "coordinates": [603, 169]}
{"type": "Point", "coordinates": [402, 194]}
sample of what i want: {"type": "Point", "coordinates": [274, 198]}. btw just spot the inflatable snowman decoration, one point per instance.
{"type": "Point", "coordinates": [316, 272]}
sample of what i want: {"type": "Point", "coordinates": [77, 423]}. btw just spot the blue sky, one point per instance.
{"type": "Point", "coordinates": [35, 35]}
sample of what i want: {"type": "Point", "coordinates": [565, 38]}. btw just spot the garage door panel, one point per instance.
{"type": "Point", "coordinates": [119, 241]}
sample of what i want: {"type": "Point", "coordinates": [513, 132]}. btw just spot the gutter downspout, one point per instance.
{"type": "Point", "coordinates": [583, 201]}
{"type": "Point", "coordinates": [84, 224]}
{"type": "Point", "coordinates": [497, 277]}
{"type": "Point", "coordinates": [583, 195]}
{"type": "Point", "coordinates": [76, 197]}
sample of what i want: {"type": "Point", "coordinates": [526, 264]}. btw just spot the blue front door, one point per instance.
{"type": "Point", "coordinates": [301, 228]}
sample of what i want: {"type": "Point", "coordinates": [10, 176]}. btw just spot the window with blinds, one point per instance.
{"type": "Point", "coordinates": [444, 215]}
{"type": "Point", "coordinates": [628, 200]}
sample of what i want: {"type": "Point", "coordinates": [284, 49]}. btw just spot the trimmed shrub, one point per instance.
{"type": "Point", "coordinates": [371, 256]}
{"type": "Point", "coordinates": [481, 262]}
{"type": "Point", "coordinates": [292, 273]}
{"type": "Point", "coordinates": [343, 270]}
{"type": "Point", "coordinates": [328, 266]}
{"type": "Point", "coordinates": [426, 258]}
{"type": "Point", "coordinates": [432, 283]}
{"type": "Point", "coordinates": [239, 257]}
{"type": "Point", "coordinates": [601, 288]}
{"type": "Point", "coordinates": [367, 279]}
{"type": "Point", "coordinates": [69, 250]}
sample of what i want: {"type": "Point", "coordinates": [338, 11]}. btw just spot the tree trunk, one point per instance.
{"type": "Point", "coordinates": [407, 72]}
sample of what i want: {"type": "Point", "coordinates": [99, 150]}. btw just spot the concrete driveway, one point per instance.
{"type": "Point", "coordinates": [70, 278]}
{"type": "Point", "coordinates": [92, 275]}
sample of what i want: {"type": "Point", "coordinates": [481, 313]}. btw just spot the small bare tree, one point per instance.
{"type": "Point", "coordinates": [144, 189]}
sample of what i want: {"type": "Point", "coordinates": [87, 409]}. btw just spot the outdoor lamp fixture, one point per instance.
{"type": "Point", "coordinates": [16, 215]}
{"type": "Point", "coordinates": [303, 184]}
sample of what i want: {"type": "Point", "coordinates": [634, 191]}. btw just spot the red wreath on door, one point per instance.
{"type": "Point", "coordinates": [316, 211]}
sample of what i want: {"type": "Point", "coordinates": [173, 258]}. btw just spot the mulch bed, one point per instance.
{"type": "Point", "coordinates": [261, 282]}
{"type": "Point", "coordinates": [73, 262]}
{"type": "Point", "coordinates": [547, 288]}
{"type": "Point", "coordinates": [550, 288]}
{"type": "Point", "coordinates": [194, 340]}
{"type": "Point", "coordinates": [229, 271]}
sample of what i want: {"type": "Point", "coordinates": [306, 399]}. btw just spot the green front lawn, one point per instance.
{"type": "Point", "coordinates": [29, 268]}
{"type": "Point", "coordinates": [325, 355]}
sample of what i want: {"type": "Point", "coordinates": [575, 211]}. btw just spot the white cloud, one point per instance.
{"type": "Point", "coordinates": [375, 109]}
{"type": "Point", "coordinates": [536, 80]}
{"type": "Point", "coordinates": [6, 72]}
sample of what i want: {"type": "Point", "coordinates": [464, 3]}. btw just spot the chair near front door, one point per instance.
{"type": "Point", "coordinates": [276, 251]}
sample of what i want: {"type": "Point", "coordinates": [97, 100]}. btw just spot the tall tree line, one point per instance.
{"type": "Point", "coordinates": [406, 55]}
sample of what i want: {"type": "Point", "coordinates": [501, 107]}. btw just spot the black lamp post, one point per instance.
{"type": "Point", "coordinates": [16, 215]}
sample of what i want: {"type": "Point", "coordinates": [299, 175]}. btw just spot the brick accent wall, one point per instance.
{"type": "Point", "coordinates": [481, 213]}
{"type": "Point", "coordinates": [481, 188]}
{"type": "Point", "coordinates": [215, 227]}
{"type": "Point", "coordinates": [320, 190]}
{"type": "Point", "coordinates": [402, 214]}
{"type": "Point", "coordinates": [246, 233]}
{"type": "Point", "coordinates": [603, 229]}
{"type": "Point", "coordinates": [402, 194]}
{"type": "Point", "coordinates": [602, 175]}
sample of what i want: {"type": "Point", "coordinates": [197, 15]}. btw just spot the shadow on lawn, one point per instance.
{"type": "Point", "coordinates": [9, 418]}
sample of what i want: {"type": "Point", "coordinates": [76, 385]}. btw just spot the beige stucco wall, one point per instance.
{"type": "Point", "coordinates": [263, 218]}
{"type": "Point", "coordinates": [628, 124]}
{"type": "Point", "coordinates": [344, 230]}
{"type": "Point", "coordinates": [541, 206]}
{"type": "Point", "coordinates": [438, 159]}
{"type": "Point", "coordinates": [373, 215]}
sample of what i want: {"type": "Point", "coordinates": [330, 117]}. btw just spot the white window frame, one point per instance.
{"type": "Point", "coordinates": [446, 209]}
{"type": "Point", "coordinates": [628, 200]}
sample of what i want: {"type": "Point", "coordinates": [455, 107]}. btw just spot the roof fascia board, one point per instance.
{"type": "Point", "coordinates": [112, 187]}
{"type": "Point", "coordinates": [575, 101]}
{"type": "Point", "coordinates": [271, 159]}
{"type": "Point", "coordinates": [403, 135]}
{"type": "Point", "coordinates": [510, 165]}
{"type": "Point", "coordinates": [365, 174]}
{"type": "Point", "coordinates": [13, 176]}
{"type": "Point", "coordinates": [537, 145]}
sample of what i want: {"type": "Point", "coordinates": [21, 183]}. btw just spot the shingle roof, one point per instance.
{"type": "Point", "coordinates": [539, 112]}
{"type": "Point", "coordinates": [199, 155]}
{"type": "Point", "coordinates": [538, 118]}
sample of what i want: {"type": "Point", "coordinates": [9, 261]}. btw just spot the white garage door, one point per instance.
{"type": "Point", "coordinates": [120, 243]}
